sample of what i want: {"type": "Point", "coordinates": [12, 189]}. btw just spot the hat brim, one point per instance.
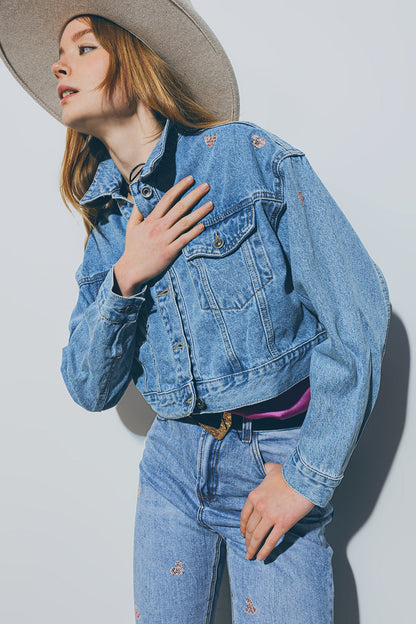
{"type": "Point", "coordinates": [171, 28]}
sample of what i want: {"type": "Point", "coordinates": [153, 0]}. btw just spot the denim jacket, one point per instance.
{"type": "Point", "coordinates": [278, 287]}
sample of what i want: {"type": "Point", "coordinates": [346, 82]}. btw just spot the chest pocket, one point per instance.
{"type": "Point", "coordinates": [227, 262]}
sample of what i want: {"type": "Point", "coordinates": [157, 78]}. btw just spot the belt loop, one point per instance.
{"type": "Point", "coordinates": [246, 430]}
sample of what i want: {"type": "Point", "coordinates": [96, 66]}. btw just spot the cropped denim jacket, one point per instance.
{"type": "Point", "coordinates": [278, 287]}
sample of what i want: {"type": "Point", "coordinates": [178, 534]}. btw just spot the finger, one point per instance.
{"type": "Point", "coordinates": [272, 540]}
{"type": "Point", "coordinates": [257, 537]}
{"type": "Point", "coordinates": [252, 526]}
{"type": "Point", "coordinates": [186, 222]}
{"type": "Point", "coordinates": [180, 242]}
{"type": "Point", "coordinates": [171, 196]}
{"type": "Point", "coordinates": [136, 216]}
{"type": "Point", "coordinates": [245, 515]}
{"type": "Point", "coordinates": [184, 205]}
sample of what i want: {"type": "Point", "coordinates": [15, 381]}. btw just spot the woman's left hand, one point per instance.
{"type": "Point", "coordinates": [271, 505]}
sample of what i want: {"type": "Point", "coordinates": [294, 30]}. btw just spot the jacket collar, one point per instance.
{"type": "Point", "coordinates": [107, 179]}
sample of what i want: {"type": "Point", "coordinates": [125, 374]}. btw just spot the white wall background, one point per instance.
{"type": "Point", "coordinates": [333, 78]}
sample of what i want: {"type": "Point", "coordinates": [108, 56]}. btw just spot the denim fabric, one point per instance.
{"type": "Point", "coordinates": [192, 490]}
{"type": "Point", "coordinates": [277, 287]}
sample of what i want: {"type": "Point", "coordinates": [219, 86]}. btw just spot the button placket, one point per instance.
{"type": "Point", "coordinates": [166, 300]}
{"type": "Point", "coordinates": [146, 191]}
{"type": "Point", "coordinates": [145, 198]}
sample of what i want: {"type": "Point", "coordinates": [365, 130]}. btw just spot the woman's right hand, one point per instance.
{"type": "Point", "coordinates": [152, 244]}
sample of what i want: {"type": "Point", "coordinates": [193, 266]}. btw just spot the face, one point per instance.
{"type": "Point", "coordinates": [83, 64]}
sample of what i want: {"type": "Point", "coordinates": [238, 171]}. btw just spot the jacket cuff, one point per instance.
{"type": "Point", "coordinates": [315, 486]}
{"type": "Point", "coordinates": [116, 308]}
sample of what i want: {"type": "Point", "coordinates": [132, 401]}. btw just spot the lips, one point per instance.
{"type": "Point", "coordinates": [64, 99]}
{"type": "Point", "coordinates": [65, 91]}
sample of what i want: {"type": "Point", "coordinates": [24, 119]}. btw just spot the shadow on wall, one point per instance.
{"type": "Point", "coordinates": [356, 497]}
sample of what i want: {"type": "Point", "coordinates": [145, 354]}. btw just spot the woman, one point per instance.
{"type": "Point", "coordinates": [221, 276]}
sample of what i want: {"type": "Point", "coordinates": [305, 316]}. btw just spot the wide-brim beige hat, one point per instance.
{"type": "Point", "coordinates": [29, 32]}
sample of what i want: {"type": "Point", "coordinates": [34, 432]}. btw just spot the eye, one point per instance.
{"type": "Point", "coordinates": [82, 48]}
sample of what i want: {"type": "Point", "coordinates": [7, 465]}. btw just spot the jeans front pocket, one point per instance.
{"type": "Point", "coordinates": [273, 445]}
{"type": "Point", "coordinates": [276, 446]}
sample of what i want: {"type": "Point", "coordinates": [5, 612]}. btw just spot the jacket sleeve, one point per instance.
{"type": "Point", "coordinates": [336, 279]}
{"type": "Point", "coordinates": [96, 363]}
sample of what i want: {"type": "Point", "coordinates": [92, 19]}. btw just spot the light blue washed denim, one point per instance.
{"type": "Point", "coordinates": [192, 490]}
{"type": "Point", "coordinates": [277, 287]}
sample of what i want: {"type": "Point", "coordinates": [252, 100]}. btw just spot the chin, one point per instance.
{"type": "Point", "coordinates": [77, 122]}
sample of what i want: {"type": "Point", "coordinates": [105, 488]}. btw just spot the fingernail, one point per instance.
{"type": "Point", "coordinates": [189, 178]}
{"type": "Point", "coordinates": [260, 557]}
{"type": "Point", "coordinates": [205, 185]}
{"type": "Point", "coordinates": [247, 556]}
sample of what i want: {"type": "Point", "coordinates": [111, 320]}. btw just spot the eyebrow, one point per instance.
{"type": "Point", "coordinates": [77, 36]}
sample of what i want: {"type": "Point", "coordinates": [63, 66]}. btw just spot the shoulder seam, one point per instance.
{"type": "Point", "coordinates": [293, 152]}
{"type": "Point", "coordinates": [276, 164]}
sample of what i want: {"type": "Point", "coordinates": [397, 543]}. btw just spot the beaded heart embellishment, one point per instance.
{"type": "Point", "coordinates": [210, 140]}
{"type": "Point", "coordinates": [257, 141]}
{"type": "Point", "coordinates": [178, 568]}
{"type": "Point", "coordinates": [250, 608]}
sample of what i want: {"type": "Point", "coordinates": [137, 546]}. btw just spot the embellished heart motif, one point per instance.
{"type": "Point", "coordinates": [178, 568]}
{"type": "Point", "coordinates": [210, 140]}
{"type": "Point", "coordinates": [250, 608]}
{"type": "Point", "coordinates": [257, 141]}
{"type": "Point", "coordinates": [301, 197]}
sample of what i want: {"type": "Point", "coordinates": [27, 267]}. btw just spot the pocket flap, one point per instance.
{"type": "Point", "coordinates": [223, 232]}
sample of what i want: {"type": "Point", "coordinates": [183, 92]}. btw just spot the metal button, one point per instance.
{"type": "Point", "coordinates": [146, 191]}
{"type": "Point", "coordinates": [218, 241]}
{"type": "Point", "coordinates": [200, 404]}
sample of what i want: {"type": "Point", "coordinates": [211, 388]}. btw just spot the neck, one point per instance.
{"type": "Point", "coordinates": [131, 140]}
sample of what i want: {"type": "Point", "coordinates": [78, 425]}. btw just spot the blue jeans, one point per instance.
{"type": "Point", "coordinates": [191, 491]}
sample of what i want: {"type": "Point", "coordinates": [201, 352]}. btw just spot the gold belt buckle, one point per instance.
{"type": "Point", "coordinates": [224, 426]}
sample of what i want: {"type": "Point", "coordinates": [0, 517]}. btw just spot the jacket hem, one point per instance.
{"type": "Point", "coordinates": [237, 390]}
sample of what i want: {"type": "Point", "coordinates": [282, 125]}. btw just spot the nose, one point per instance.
{"type": "Point", "coordinates": [59, 68]}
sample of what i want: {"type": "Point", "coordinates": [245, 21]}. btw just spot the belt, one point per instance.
{"type": "Point", "coordinates": [220, 423]}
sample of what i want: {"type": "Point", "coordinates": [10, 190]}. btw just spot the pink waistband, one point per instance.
{"type": "Point", "coordinates": [294, 401]}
